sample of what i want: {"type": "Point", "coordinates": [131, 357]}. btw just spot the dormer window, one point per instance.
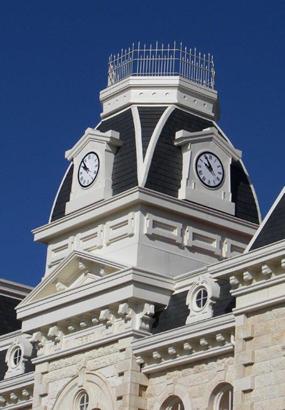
{"type": "Point", "coordinates": [201, 298]}
{"type": "Point", "coordinates": [16, 356]}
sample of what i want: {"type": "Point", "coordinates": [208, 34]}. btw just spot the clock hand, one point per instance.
{"type": "Point", "coordinates": [210, 166]}
{"type": "Point", "coordinates": [85, 166]}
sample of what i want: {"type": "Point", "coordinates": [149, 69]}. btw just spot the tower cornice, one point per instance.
{"type": "Point", "coordinates": [160, 90]}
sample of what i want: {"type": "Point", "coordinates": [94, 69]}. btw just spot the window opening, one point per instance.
{"type": "Point", "coordinates": [17, 356]}
{"type": "Point", "coordinates": [222, 397]}
{"type": "Point", "coordinates": [84, 401]}
{"type": "Point", "coordinates": [201, 298]}
{"type": "Point", "coordinates": [173, 403]}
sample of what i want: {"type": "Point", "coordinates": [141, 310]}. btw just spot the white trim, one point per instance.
{"type": "Point", "coordinates": [179, 361]}
{"type": "Point", "coordinates": [132, 197]}
{"type": "Point", "coordinates": [138, 139]}
{"type": "Point", "coordinates": [178, 335]}
{"type": "Point", "coordinates": [259, 285]}
{"type": "Point", "coordinates": [106, 118]}
{"type": "Point", "coordinates": [74, 255]}
{"type": "Point", "coordinates": [17, 382]}
{"type": "Point", "coordinates": [275, 203]}
{"type": "Point", "coordinates": [21, 405]}
{"type": "Point", "coordinates": [259, 305]}
{"type": "Point", "coordinates": [58, 191]}
{"type": "Point", "coordinates": [153, 141]}
{"type": "Point", "coordinates": [14, 290]}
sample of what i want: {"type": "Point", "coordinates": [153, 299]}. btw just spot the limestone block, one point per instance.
{"type": "Point", "coordinates": [247, 406]}
{"type": "Point", "coordinates": [263, 341]}
{"type": "Point", "coordinates": [136, 403]}
{"type": "Point", "coordinates": [43, 389]}
{"type": "Point", "coordinates": [123, 365]}
{"type": "Point", "coordinates": [245, 384]}
{"type": "Point", "coordinates": [246, 358]}
{"type": "Point", "coordinates": [279, 376]}
{"type": "Point", "coordinates": [263, 380]}
{"type": "Point", "coordinates": [247, 332]}
{"type": "Point", "coordinates": [137, 377]}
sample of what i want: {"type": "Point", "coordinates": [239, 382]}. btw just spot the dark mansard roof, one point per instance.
{"type": "Point", "coordinates": [177, 311]}
{"type": "Point", "coordinates": [11, 294]}
{"type": "Point", "coordinates": [273, 227]}
{"type": "Point", "coordinates": [166, 161]}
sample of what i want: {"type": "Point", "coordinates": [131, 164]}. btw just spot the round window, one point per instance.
{"type": "Point", "coordinates": [84, 401]}
{"type": "Point", "coordinates": [201, 298]}
{"type": "Point", "coordinates": [16, 356]}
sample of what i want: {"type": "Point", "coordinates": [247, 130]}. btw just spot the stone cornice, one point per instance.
{"type": "Point", "coordinates": [24, 405]}
{"type": "Point", "coordinates": [157, 90]}
{"type": "Point", "coordinates": [13, 289]}
{"type": "Point", "coordinates": [17, 392]}
{"type": "Point", "coordinates": [247, 260]}
{"type": "Point", "coordinates": [17, 382]}
{"type": "Point", "coordinates": [260, 305]}
{"type": "Point", "coordinates": [90, 345]}
{"type": "Point", "coordinates": [184, 333]}
{"type": "Point", "coordinates": [137, 196]}
{"type": "Point", "coordinates": [114, 288]}
{"type": "Point", "coordinates": [236, 265]}
{"type": "Point", "coordinates": [186, 344]}
{"type": "Point", "coordinates": [257, 278]}
{"type": "Point", "coordinates": [179, 361]}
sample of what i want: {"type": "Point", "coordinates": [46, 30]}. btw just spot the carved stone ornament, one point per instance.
{"type": "Point", "coordinates": [17, 356]}
{"type": "Point", "coordinates": [144, 317]}
{"type": "Point", "coordinates": [201, 298]}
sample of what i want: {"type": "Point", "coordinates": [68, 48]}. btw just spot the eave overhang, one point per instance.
{"type": "Point", "coordinates": [129, 283]}
{"type": "Point", "coordinates": [141, 196]}
{"type": "Point", "coordinates": [190, 343]}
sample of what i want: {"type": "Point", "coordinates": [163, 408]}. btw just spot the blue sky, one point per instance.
{"type": "Point", "coordinates": [53, 59]}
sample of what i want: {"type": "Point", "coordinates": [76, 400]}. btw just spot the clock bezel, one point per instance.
{"type": "Point", "coordinates": [88, 153]}
{"type": "Point", "coordinates": [200, 179]}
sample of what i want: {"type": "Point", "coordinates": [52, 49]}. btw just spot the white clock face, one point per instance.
{"type": "Point", "coordinates": [209, 169]}
{"type": "Point", "coordinates": [88, 169]}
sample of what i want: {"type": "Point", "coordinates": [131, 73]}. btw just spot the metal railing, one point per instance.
{"type": "Point", "coordinates": [160, 60]}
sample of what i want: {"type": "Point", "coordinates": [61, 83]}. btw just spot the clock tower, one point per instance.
{"type": "Point", "coordinates": [153, 199]}
{"type": "Point", "coordinates": [156, 184]}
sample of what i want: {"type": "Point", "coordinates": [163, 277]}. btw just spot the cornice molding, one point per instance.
{"type": "Point", "coordinates": [17, 382]}
{"type": "Point", "coordinates": [113, 288]}
{"type": "Point", "coordinates": [187, 344]}
{"type": "Point", "coordinates": [90, 345]}
{"type": "Point", "coordinates": [180, 361]}
{"type": "Point", "coordinates": [135, 196]}
{"type": "Point", "coordinates": [177, 335]}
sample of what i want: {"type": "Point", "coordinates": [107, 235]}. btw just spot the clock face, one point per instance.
{"type": "Point", "coordinates": [209, 169]}
{"type": "Point", "coordinates": [88, 169]}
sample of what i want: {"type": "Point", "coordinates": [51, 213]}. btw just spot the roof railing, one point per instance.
{"type": "Point", "coordinates": [160, 60]}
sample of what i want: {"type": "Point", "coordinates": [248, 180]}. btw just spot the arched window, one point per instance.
{"type": "Point", "coordinates": [222, 397]}
{"type": "Point", "coordinates": [83, 401]}
{"type": "Point", "coordinates": [172, 403]}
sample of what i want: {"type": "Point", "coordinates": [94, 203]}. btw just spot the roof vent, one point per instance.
{"type": "Point", "coordinates": [161, 60]}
